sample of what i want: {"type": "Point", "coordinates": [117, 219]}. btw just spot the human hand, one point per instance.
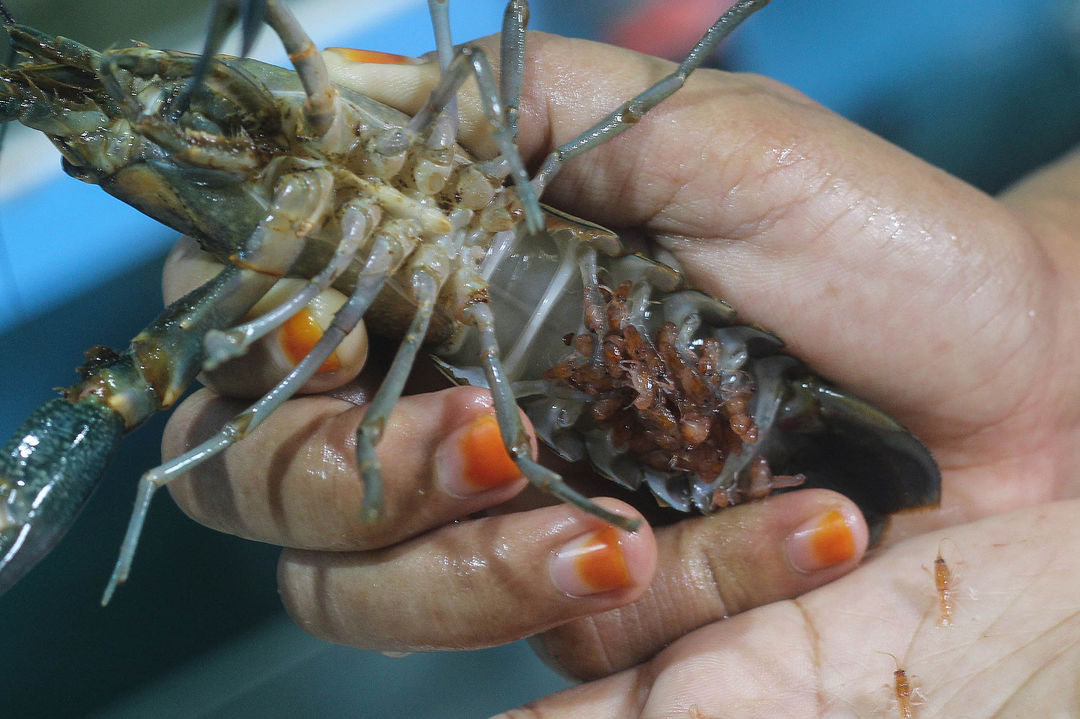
{"type": "Point", "coordinates": [1011, 649]}
{"type": "Point", "coordinates": [807, 216]}
{"type": "Point", "coordinates": [490, 580]}
{"type": "Point", "coordinates": [930, 299]}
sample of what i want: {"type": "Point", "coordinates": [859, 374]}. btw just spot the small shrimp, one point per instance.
{"type": "Point", "coordinates": [944, 584]}
{"type": "Point", "coordinates": [908, 696]}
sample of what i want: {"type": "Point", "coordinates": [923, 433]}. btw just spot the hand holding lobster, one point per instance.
{"type": "Point", "coordinates": [924, 287]}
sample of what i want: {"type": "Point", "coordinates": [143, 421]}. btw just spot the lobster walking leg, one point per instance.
{"type": "Point", "coordinates": [359, 218]}
{"type": "Point", "coordinates": [445, 134]}
{"type": "Point", "coordinates": [425, 290]}
{"type": "Point", "coordinates": [300, 201]}
{"type": "Point", "coordinates": [512, 429]}
{"type": "Point", "coordinates": [345, 319]}
{"type": "Point", "coordinates": [629, 113]}
{"type": "Point", "coordinates": [512, 61]}
{"type": "Point", "coordinates": [320, 109]}
{"type": "Point", "coordinates": [471, 61]}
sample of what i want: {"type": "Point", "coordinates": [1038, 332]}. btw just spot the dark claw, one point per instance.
{"type": "Point", "coordinates": [47, 472]}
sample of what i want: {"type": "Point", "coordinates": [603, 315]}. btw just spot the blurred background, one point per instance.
{"type": "Point", "coordinates": [986, 89]}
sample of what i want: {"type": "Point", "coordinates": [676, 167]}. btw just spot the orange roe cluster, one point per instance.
{"type": "Point", "coordinates": [666, 405]}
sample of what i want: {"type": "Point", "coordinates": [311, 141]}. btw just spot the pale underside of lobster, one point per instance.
{"type": "Point", "coordinates": [282, 173]}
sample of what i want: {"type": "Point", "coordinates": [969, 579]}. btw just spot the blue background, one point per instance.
{"type": "Point", "coordinates": [987, 90]}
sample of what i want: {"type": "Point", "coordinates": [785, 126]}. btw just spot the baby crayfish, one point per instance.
{"type": "Point", "coordinates": [945, 587]}
{"type": "Point", "coordinates": [907, 694]}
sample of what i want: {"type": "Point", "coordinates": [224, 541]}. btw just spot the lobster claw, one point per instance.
{"type": "Point", "coordinates": [47, 472]}
{"type": "Point", "coordinates": [841, 443]}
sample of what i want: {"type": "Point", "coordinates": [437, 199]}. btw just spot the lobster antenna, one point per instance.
{"type": "Point", "coordinates": [629, 113]}
{"type": "Point", "coordinates": [9, 19]}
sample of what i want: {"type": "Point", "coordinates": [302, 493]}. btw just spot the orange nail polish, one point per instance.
{"type": "Point", "coordinates": [373, 56]}
{"type": "Point", "coordinates": [474, 459]}
{"type": "Point", "coordinates": [299, 334]}
{"type": "Point", "coordinates": [822, 542]}
{"type": "Point", "coordinates": [591, 564]}
{"type": "Point", "coordinates": [487, 463]}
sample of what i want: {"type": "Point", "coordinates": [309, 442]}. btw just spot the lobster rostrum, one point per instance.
{"type": "Point", "coordinates": [280, 172]}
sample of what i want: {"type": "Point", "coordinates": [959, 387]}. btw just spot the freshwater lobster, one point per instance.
{"type": "Point", "coordinates": [279, 172]}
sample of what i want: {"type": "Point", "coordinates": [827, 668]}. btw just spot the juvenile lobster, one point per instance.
{"type": "Point", "coordinates": [279, 173]}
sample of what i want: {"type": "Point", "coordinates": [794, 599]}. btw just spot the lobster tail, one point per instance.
{"type": "Point", "coordinates": [842, 443]}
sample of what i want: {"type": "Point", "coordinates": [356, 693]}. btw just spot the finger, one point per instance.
{"type": "Point", "coordinates": [294, 480]}
{"type": "Point", "coordinates": [828, 652]}
{"type": "Point", "coordinates": [777, 204]}
{"type": "Point", "coordinates": [716, 567]}
{"type": "Point", "coordinates": [486, 582]}
{"type": "Point", "coordinates": [268, 360]}
{"type": "Point", "coordinates": [407, 85]}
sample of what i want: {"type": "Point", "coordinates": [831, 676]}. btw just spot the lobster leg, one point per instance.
{"type": "Point", "coordinates": [512, 61]}
{"type": "Point", "coordinates": [371, 280]}
{"type": "Point", "coordinates": [321, 109]}
{"type": "Point", "coordinates": [513, 431]}
{"type": "Point", "coordinates": [360, 217]}
{"type": "Point", "coordinates": [445, 134]}
{"type": "Point", "coordinates": [440, 25]}
{"type": "Point", "coordinates": [629, 113]}
{"type": "Point", "coordinates": [425, 289]}
{"type": "Point", "coordinates": [58, 456]}
{"type": "Point", "coordinates": [470, 61]}
{"type": "Point", "coordinates": [300, 201]}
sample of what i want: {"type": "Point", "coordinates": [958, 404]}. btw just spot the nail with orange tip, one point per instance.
{"type": "Point", "coordinates": [474, 459]}
{"type": "Point", "coordinates": [374, 56]}
{"type": "Point", "coordinates": [824, 541]}
{"type": "Point", "coordinates": [591, 563]}
{"type": "Point", "coordinates": [298, 336]}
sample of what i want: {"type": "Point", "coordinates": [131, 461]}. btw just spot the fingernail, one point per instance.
{"type": "Point", "coordinates": [474, 459]}
{"type": "Point", "coordinates": [374, 56]}
{"type": "Point", "coordinates": [298, 337]}
{"type": "Point", "coordinates": [591, 563]}
{"type": "Point", "coordinates": [824, 541]}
